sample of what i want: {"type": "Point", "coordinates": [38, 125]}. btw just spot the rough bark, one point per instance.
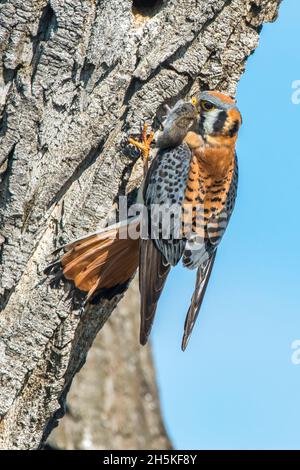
{"type": "Point", "coordinates": [113, 402]}
{"type": "Point", "coordinates": [77, 77]}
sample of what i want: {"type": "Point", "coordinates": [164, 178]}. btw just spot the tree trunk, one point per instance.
{"type": "Point", "coordinates": [113, 402]}
{"type": "Point", "coordinates": [76, 78]}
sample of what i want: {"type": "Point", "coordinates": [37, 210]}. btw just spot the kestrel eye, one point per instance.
{"type": "Point", "coordinates": [207, 105]}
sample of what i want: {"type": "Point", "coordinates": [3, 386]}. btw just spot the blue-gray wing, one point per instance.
{"type": "Point", "coordinates": [203, 275]}
{"type": "Point", "coordinates": [164, 196]}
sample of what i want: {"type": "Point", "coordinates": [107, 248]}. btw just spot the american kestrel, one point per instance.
{"type": "Point", "coordinates": [194, 177]}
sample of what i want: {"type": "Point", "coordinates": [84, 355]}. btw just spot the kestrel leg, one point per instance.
{"type": "Point", "coordinates": [144, 146]}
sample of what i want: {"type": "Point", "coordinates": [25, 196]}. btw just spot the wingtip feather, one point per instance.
{"type": "Point", "coordinates": [143, 339]}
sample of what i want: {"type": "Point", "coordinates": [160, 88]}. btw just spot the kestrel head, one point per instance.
{"type": "Point", "coordinates": [219, 115]}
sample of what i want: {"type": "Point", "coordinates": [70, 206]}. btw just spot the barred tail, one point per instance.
{"type": "Point", "coordinates": [100, 264]}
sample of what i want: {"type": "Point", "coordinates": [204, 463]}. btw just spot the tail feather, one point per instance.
{"type": "Point", "coordinates": [86, 246]}
{"type": "Point", "coordinates": [53, 267]}
{"type": "Point", "coordinates": [83, 262]}
{"type": "Point", "coordinates": [153, 273]}
{"type": "Point", "coordinates": [100, 262]}
{"type": "Point", "coordinates": [203, 275]}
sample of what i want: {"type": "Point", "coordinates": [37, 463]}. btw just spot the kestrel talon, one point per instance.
{"type": "Point", "coordinates": [144, 145]}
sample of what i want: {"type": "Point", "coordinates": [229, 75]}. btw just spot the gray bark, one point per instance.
{"type": "Point", "coordinates": [76, 78]}
{"type": "Point", "coordinates": [113, 402]}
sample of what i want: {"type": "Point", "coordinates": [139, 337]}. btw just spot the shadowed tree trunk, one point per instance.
{"type": "Point", "coordinates": [76, 78]}
{"type": "Point", "coordinates": [113, 402]}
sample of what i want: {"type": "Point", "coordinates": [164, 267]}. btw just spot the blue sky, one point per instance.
{"type": "Point", "coordinates": [236, 386]}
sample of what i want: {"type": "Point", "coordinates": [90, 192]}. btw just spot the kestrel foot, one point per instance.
{"type": "Point", "coordinates": [144, 145]}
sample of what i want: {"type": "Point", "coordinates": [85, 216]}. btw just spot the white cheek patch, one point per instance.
{"type": "Point", "coordinates": [210, 119]}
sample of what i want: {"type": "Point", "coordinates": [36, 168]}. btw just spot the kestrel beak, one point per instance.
{"type": "Point", "coordinates": [195, 102]}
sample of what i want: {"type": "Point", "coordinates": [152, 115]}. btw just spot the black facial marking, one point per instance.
{"type": "Point", "coordinates": [234, 128]}
{"type": "Point", "coordinates": [220, 121]}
